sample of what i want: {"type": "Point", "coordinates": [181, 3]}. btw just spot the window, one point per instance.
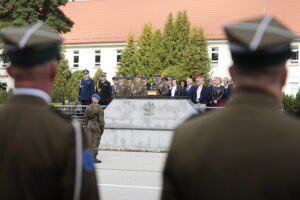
{"type": "Point", "coordinates": [76, 58]}
{"type": "Point", "coordinates": [215, 54]}
{"type": "Point", "coordinates": [119, 52]}
{"type": "Point", "coordinates": [97, 58]}
{"type": "Point", "coordinates": [295, 54]}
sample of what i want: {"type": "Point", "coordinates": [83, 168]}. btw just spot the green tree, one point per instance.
{"type": "Point", "coordinates": [22, 12]}
{"type": "Point", "coordinates": [195, 59]}
{"type": "Point", "coordinates": [128, 60]}
{"type": "Point", "coordinates": [63, 75]}
{"type": "Point", "coordinates": [145, 51]}
{"type": "Point", "coordinates": [97, 75]}
{"type": "Point", "coordinates": [178, 52]}
{"type": "Point", "coordinates": [73, 86]}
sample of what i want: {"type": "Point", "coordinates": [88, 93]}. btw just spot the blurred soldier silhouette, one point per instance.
{"type": "Point", "coordinates": [42, 154]}
{"type": "Point", "coordinates": [250, 149]}
{"type": "Point", "coordinates": [94, 120]}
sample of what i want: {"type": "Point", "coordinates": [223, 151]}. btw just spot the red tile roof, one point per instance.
{"type": "Point", "coordinates": [105, 21]}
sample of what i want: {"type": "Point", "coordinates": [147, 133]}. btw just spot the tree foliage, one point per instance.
{"type": "Point", "coordinates": [128, 60]}
{"type": "Point", "coordinates": [97, 75]}
{"type": "Point", "coordinates": [179, 51]}
{"type": "Point", "coordinates": [291, 104]}
{"type": "Point", "coordinates": [63, 74]}
{"type": "Point", "coordinates": [23, 12]}
{"type": "Point", "coordinates": [73, 86]}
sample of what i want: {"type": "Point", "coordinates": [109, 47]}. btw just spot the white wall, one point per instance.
{"type": "Point", "coordinates": [87, 57]}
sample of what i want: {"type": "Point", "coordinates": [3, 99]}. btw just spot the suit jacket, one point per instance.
{"type": "Point", "coordinates": [204, 95]}
{"type": "Point", "coordinates": [177, 92]}
{"type": "Point", "coordinates": [189, 93]}
{"type": "Point", "coordinates": [252, 153]}
{"type": "Point", "coordinates": [37, 153]}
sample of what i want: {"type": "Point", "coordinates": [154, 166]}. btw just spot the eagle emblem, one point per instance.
{"type": "Point", "coordinates": [149, 108]}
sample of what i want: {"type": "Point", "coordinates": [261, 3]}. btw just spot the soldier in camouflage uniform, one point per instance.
{"type": "Point", "coordinates": [121, 87]}
{"type": "Point", "coordinates": [138, 88]}
{"type": "Point", "coordinates": [129, 85]}
{"type": "Point", "coordinates": [158, 84]}
{"type": "Point", "coordinates": [94, 120]}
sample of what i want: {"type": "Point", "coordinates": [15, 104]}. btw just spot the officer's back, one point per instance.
{"type": "Point", "coordinates": [42, 155]}
{"type": "Point", "coordinates": [250, 149]}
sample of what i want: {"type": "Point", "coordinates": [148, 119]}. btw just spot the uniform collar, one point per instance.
{"type": "Point", "coordinates": [33, 92]}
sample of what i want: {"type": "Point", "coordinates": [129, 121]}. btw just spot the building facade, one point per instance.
{"type": "Point", "coordinates": [101, 28]}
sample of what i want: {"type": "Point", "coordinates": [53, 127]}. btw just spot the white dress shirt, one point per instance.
{"type": "Point", "coordinates": [33, 92]}
{"type": "Point", "coordinates": [199, 91]}
{"type": "Point", "coordinates": [173, 91]}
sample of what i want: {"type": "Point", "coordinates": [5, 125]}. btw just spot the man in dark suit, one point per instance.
{"type": "Point", "coordinates": [42, 154]}
{"type": "Point", "coordinates": [103, 88]}
{"type": "Point", "coordinates": [250, 149]}
{"type": "Point", "coordinates": [201, 93]}
{"type": "Point", "coordinates": [190, 89]}
{"type": "Point", "coordinates": [86, 88]}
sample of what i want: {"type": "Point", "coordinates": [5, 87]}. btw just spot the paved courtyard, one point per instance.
{"type": "Point", "coordinates": [130, 175]}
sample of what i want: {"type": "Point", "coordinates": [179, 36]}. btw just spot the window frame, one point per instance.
{"type": "Point", "coordinates": [76, 55]}
{"type": "Point", "coordinates": [295, 61]}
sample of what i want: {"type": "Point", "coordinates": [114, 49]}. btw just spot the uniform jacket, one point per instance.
{"type": "Point", "coordinates": [121, 89]}
{"type": "Point", "coordinates": [86, 89]}
{"type": "Point", "coordinates": [204, 94]}
{"type": "Point", "coordinates": [161, 86]}
{"type": "Point", "coordinates": [138, 89]}
{"type": "Point", "coordinates": [103, 88]}
{"type": "Point", "coordinates": [251, 153]}
{"type": "Point", "coordinates": [94, 116]}
{"type": "Point", "coordinates": [113, 91]}
{"type": "Point", "coordinates": [37, 153]}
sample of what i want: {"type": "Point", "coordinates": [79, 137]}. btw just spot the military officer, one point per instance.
{"type": "Point", "coordinates": [145, 81]}
{"type": "Point", "coordinates": [94, 120]}
{"type": "Point", "coordinates": [250, 149]}
{"type": "Point", "coordinates": [138, 88]}
{"type": "Point", "coordinates": [103, 88]}
{"type": "Point", "coordinates": [158, 84]}
{"type": "Point", "coordinates": [86, 88]}
{"type": "Point", "coordinates": [128, 85]}
{"type": "Point", "coordinates": [42, 154]}
{"type": "Point", "coordinates": [114, 87]}
{"type": "Point", "coordinates": [121, 87]}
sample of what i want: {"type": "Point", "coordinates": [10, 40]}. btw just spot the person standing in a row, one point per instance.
{"type": "Point", "coordinates": [103, 88]}
{"type": "Point", "coordinates": [86, 88]}
{"type": "Point", "coordinates": [175, 90]}
{"type": "Point", "coordinates": [218, 93]}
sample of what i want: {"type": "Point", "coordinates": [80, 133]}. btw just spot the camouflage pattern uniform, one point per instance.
{"type": "Point", "coordinates": [94, 119]}
{"type": "Point", "coordinates": [121, 89]}
{"type": "Point", "coordinates": [161, 86]}
{"type": "Point", "coordinates": [128, 91]}
{"type": "Point", "coordinates": [139, 89]}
